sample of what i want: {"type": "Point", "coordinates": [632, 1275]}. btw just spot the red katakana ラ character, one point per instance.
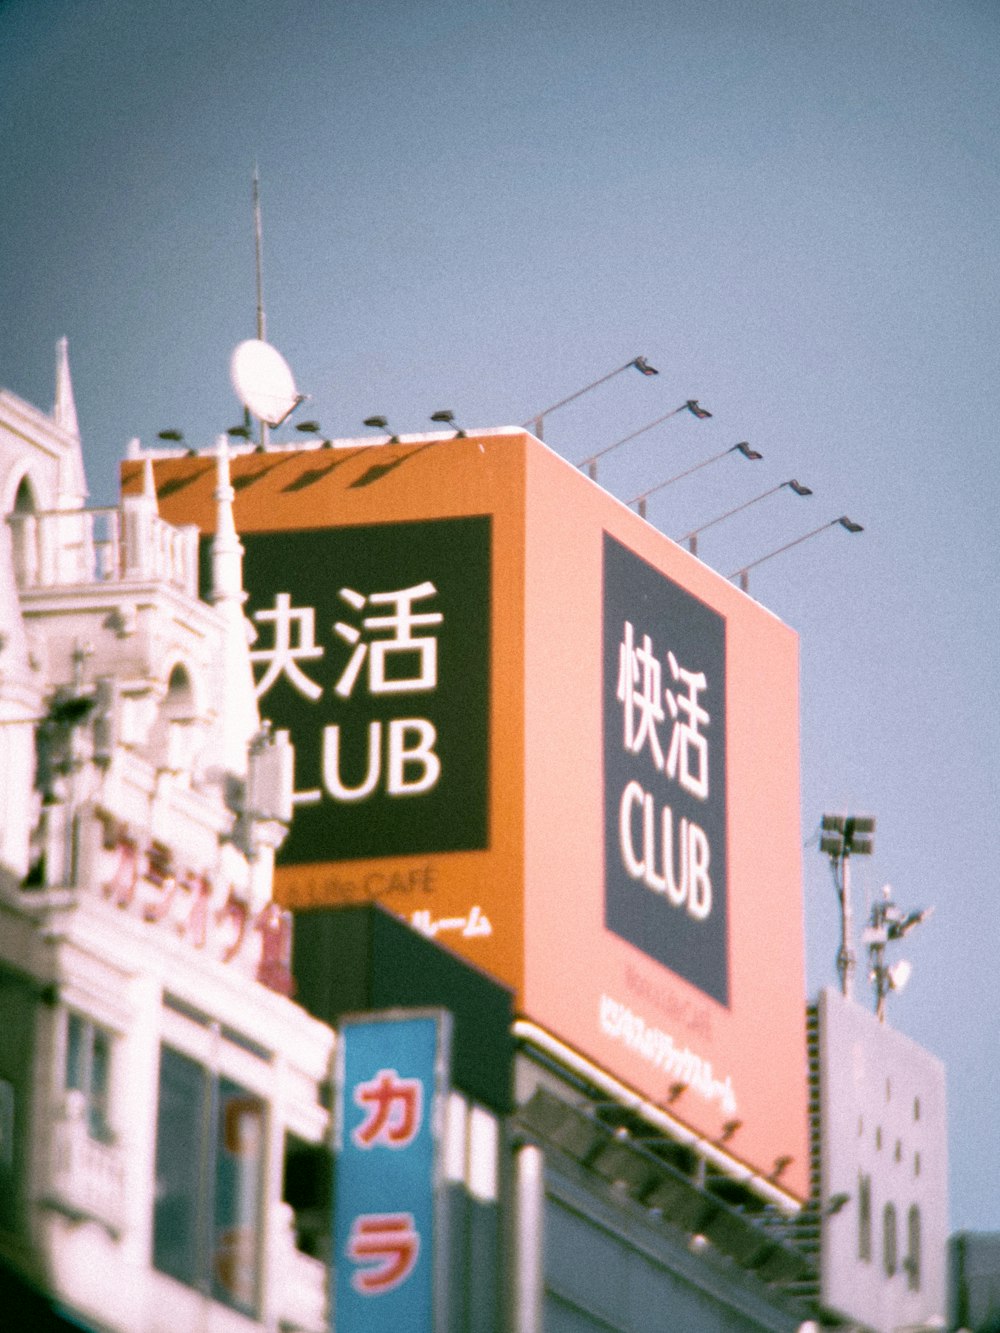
{"type": "Point", "coordinates": [274, 969]}
{"type": "Point", "coordinates": [388, 1241]}
{"type": "Point", "coordinates": [395, 1106]}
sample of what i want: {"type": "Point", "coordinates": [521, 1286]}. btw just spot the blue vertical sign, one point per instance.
{"type": "Point", "coordinates": [391, 1084]}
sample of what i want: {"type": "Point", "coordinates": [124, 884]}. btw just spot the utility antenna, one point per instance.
{"type": "Point", "coordinates": [261, 320]}
{"type": "Point", "coordinates": [844, 836]}
{"type": "Point", "coordinates": [260, 375]}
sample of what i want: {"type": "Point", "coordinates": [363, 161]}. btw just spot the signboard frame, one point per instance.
{"type": "Point", "coordinates": [395, 1115]}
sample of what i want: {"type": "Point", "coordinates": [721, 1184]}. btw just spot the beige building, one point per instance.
{"type": "Point", "coordinates": [155, 1076]}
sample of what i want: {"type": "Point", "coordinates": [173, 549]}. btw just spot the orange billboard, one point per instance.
{"type": "Point", "coordinates": [548, 737]}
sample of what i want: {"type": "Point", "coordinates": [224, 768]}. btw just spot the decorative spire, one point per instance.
{"type": "Point", "coordinates": [139, 513]}
{"type": "Point", "coordinates": [64, 411]}
{"type": "Point", "coordinates": [72, 478]}
{"type": "Point", "coordinates": [227, 549]}
{"type": "Point", "coordinates": [240, 718]}
{"type": "Point", "coordinates": [149, 485]}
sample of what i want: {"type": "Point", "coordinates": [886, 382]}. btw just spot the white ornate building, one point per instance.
{"type": "Point", "coordinates": [155, 1075]}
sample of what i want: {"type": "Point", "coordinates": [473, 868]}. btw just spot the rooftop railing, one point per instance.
{"type": "Point", "coordinates": [61, 548]}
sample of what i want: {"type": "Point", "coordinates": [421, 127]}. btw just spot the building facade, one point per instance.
{"type": "Point", "coordinates": [173, 1081]}
{"type": "Point", "coordinates": [155, 1076]}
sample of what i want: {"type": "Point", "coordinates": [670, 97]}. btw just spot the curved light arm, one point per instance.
{"type": "Point", "coordinates": [692, 537]}
{"type": "Point", "coordinates": [743, 573]}
{"type": "Point", "coordinates": [743, 448]}
{"type": "Point", "coordinates": [591, 461]}
{"type": "Point", "coordinates": [536, 421]}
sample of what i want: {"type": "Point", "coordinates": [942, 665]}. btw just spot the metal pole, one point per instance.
{"type": "Point", "coordinates": [846, 961]}
{"type": "Point", "coordinates": [529, 1263]}
{"type": "Point", "coordinates": [258, 247]}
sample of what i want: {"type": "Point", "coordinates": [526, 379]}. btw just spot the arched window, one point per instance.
{"type": "Point", "coordinates": [171, 739]}
{"type": "Point", "coordinates": [24, 537]}
{"type": "Point", "coordinates": [913, 1248]}
{"type": "Point", "coordinates": [890, 1244]}
{"type": "Point", "coordinates": [24, 500]}
{"type": "Point", "coordinates": [178, 705]}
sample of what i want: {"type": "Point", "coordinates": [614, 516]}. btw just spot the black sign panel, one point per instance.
{"type": "Point", "coordinates": [664, 709]}
{"type": "Point", "coordinates": [373, 649]}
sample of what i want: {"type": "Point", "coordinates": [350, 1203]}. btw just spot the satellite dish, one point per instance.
{"type": "Point", "coordinates": [263, 381]}
{"type": "Point", "coordinates": [900, 973]}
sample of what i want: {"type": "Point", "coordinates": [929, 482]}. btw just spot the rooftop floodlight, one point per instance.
{"type": "Point", "coordinates": [744, 573]}
{"type": "Point", "coordinates": [447, 418]}
{"type": "Point", "coordinates": [536, 423]}
{"type": "Point", "coordinates": [590, 463]}
{"type": "Point", "coordinates": [692, 537]}
{"type": "Point", "coordinates": [841, 837]}
{"type": "Point", "coordinates": [741, 448]}
{"type": "Point", "coordinates": [244, 431]}
{"type": "Point", "coordinates": [381, 423]}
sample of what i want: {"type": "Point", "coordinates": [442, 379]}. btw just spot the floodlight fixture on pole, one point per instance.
{"type": "Point", "coordinates": [742, 448]}
{"type": "Point", "coordinates": [744, 573]}
{"type": "Point", "coordinates": [691, 405]}
{"type": "Point", "coordinates": [381, 423]}
{"type": "Point", "coordinates": [447, 418]}
{"type": "Point", "coordinates": [887, 924]}
{"type": "Point", "coordinates": [537, 422]}
{"type": "Point", "coordinates": [692, 537]}
{"type": "Point", "coordinates": [844, 836]}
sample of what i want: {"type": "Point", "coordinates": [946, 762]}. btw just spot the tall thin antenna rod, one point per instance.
{"type": "Point", "coordinates": [261, 320]}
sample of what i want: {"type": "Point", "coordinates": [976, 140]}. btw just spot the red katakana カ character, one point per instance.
{"type": "Point", "coordinates": [388, 1241]}
{"type": "Point", "coordinates": [120, 888]}
{"type": "Point", "coordinates": [395, 1106]}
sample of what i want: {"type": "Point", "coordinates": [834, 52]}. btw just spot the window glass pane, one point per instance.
{"type": "Point", "coordinates": [100, 1060]}
{"type": "Point", "coordinates": [76, 1053]}
{"type": "Point", "coordinates": [890, 1257]}
{"type": "Point", "coordinates": [864, 1218]}
{"type": "Point", "coordinates": [239, 1149]}
{"type": "Point", "coordinates": [181, 1180]}
{"type": "Point", "coordinates": [913, 1253]}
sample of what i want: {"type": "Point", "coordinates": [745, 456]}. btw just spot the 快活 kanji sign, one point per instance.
{"type": "Point", "coordinates": [665, 771]}
{"type": "Point", "coordinates": [372, 648]}
{"type": "Point", "coordinates": [392, 1077]}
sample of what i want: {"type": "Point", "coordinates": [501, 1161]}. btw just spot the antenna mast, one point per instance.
{"type": "Point", "coordinates": [261, 321]}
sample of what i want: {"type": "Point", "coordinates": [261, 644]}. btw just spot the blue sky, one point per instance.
{"type": "Point", "coordinates": [790, 209]}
